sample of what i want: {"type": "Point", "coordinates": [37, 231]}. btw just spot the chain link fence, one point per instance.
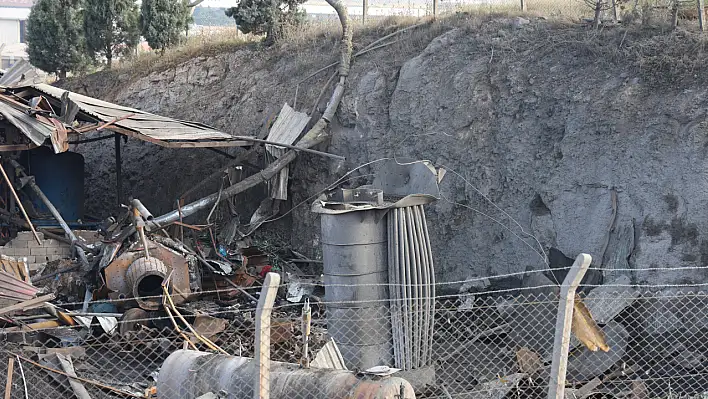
{"type": "Point", "coordinates": [485, 344]}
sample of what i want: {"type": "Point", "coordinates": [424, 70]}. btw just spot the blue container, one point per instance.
{"type": "Point", "coordinates": [61, 178]}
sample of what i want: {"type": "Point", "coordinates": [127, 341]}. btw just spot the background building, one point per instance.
{"type": "Point", "coordinates": [13, 25]}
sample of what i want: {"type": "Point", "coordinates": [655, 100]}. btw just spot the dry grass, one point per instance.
{"type": "Point", "coordinates": [202, 44]}
{"type": "Point", "coordinates": [662, 56]}
{"type": "Point", "coordinates": [572, 9]}
{"type": "Point", "coordinates": [317, 39]}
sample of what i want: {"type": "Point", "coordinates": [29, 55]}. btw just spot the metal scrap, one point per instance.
{"type": "Point", "coordinates": [285, 130]}
{"type": "Point", "coordinates": [209, 326]}
{"type": "Point", "coordinates": [607, 301]}
{"type": "Point", "coordinates": [585, 328]}
{"type": "Point", "coordinates": [496, 389]}
{"type": "Point", "coordinates": [61, 361]}
{"type": "Point", "coordinates": [329, 357]}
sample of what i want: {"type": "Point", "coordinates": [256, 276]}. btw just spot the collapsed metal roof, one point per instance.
{"type": "Point", "coordinates": [46, 113]}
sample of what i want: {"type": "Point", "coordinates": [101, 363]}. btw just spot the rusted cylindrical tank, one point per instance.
{"type": "Point", "coordinates": [145, 277]}
{"type": "Point", "coordinates": [131, 275]}
{"type": "Point", "coordinates": [355, 255]}
{"type": "Point", "coordinates": [189, 374]}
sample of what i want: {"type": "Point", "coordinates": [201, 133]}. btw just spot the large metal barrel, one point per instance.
{"type": "Point", "coordinates": [189, 374]}
{"type": "Point", "coordinates": [355, 255]}
{"type": "Point", "coordinates": [61, 178]}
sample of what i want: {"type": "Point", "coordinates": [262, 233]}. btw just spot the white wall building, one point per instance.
{"type": "Point", "coordinates": [13, 25]}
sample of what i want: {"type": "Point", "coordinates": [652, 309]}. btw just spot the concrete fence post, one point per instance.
{"type": "Point", "coordinates": [262, 346]}
{"type": "Point", "coordinates": [561, 343]}
{"type": "Point", "coordinates": [365, 10]}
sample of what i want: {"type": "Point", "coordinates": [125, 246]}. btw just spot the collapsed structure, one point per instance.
{"type": "Point", "coordinates": [374, 311]}
{"type": "Point", "coordinates": [135, 268]}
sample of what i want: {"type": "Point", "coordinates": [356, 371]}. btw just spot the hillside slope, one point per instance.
{"type": "Point", "coordinates": [540, 123]}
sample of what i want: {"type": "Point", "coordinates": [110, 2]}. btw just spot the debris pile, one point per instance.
{"type": "Point", "coordinates": [133, 296]}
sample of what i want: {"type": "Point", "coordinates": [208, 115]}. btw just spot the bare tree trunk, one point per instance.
{"type": "Point", "coordinates": [596, 19]}
{"type": "Point", "coordinates": [674, 14]}
{"type": "Point", "coordinates": [646, 13]}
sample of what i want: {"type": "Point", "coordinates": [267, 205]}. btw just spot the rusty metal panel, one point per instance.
{"type": "Point", "coordinates": [32, 128]}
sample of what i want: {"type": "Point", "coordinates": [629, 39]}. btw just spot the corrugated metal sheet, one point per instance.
{"type": "Point", "coordinates": [151, 125]}
{"type": "Point", "coordinates": [35, 130]}
{"type": "Point", "coordinates": [164, 131]}
{"type": "Point", "coordinates": [21, 73]}
{"type": "Point", "coordinates": [329, 357]}
{"type": "Point", "coordinates": [285, 130]}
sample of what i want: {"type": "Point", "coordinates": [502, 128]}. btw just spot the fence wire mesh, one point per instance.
{"type": "Point", "coordinates": [486, 344]}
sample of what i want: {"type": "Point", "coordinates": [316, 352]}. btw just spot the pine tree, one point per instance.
{"type": "Point", "coordinates": [269, 17]}
{"type": "Point", "coordinates": [55, 41]}
{"type": "Point", "coordinates": [111, 27]}
{"type": "Point", "coordinates": [163, 22]}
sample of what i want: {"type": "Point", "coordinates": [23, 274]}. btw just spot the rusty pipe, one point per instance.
{"type": "Point", "coordinates": [140, 227]}
{"type": "Point", "coordinates": [190, 374]}
{"type": "Point", "coordinates": [144, 212]}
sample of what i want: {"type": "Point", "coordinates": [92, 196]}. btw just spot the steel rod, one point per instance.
{"type": "Point", "coordinates": [119, 171]}
{"type": "Point", "coordinates": [292, 147]}
{"type": "Point", "coordinates": [93, 139]}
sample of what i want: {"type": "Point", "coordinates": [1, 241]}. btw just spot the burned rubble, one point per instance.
{"type": "Point", "coordinates": [148, 295]}
{"type": "Point", "coordinates": [151, 305]}
{"type": "Point", "coordinates": [211, 299]}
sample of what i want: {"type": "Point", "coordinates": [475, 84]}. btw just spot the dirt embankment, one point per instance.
{"type": "Point", "coordinates": [540, 123]}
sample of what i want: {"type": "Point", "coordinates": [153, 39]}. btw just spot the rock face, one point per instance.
{"type": "Point", "coordinates": [534, 139]}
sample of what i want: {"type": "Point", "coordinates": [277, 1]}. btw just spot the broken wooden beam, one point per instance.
{"type": "Point", "coordinates": [26, 305]}
{"type": "Point", "coordinates": [19, 203]}
{"type": "Point", "coordinates": [10, 372]}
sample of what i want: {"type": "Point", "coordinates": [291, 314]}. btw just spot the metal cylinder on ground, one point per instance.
{"type": "Point", "coordinates": [190, 374]}
{"type": "Point", "coordinates": [145, 277]}
{"type": "Point", "coordinates": [354, 251]}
